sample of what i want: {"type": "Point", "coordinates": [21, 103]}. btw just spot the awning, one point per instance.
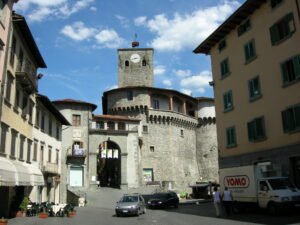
{"type": "Point", "coordinates": [7, 173]}
{"type": "Point", "coordinates": [37, 178]}
{"type": "Point", "coordinates": [23, 174]}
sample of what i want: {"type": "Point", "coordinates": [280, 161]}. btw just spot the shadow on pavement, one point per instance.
{"type": "Point", "coordinates": [253, 215]}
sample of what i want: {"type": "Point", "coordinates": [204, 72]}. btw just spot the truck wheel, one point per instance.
{"type": "Point", "coordinates": [272, 209]}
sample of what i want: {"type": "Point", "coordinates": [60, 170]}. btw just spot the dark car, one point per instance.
{"type": "Point", "coordinates": [163, 200]}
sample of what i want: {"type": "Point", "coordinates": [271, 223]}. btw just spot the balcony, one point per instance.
{"type": "Point", "coordinates": [50, 168]}
{"type": "Point", "coordinates": [76, 156]}
{"type": "Point", "coordinates": [26, 76]}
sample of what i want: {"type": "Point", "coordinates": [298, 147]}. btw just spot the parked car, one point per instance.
{"type": "Point", "coordinates": [131, 204]}
{"type": "Point", "coordinates": [163, 200]}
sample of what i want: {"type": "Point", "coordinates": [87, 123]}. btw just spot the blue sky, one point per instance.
{"type": "Point", "coordinates": [78, 40]}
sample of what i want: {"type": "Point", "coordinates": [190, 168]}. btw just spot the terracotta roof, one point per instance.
{"type": "Point", "coordinates": [49, 105]}
{"type": "Point", "coordinates": [234, 20]}
{"type": "Point", "coordinates": [69, 100]}
{"type": "Point", "coordinates": [115, 117]}
{"type": "Point", "coordinates": [21, 23]}
{"type": "Point", "coordinates": [205, 99]}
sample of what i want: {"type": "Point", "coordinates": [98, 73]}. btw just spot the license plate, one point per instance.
{"type": "Point", "coordinates": [125, 211]}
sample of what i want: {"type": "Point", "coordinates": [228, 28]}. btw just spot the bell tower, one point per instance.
{"type": "Point", "coordinates": [135, 66]}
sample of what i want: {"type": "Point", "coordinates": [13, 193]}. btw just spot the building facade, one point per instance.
{"type": "Point", "coordinates": [255, 59]}
{"type": "Point", "coordinates": [146, 135]}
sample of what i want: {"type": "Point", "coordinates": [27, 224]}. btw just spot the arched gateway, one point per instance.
{"type": "Point", "coordinates": [109, 165]}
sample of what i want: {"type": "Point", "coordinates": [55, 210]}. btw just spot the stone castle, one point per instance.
{"type": "Point", "coordinates": [146, 135]}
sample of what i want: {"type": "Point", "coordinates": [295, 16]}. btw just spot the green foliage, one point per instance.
{"type": "Point", "coordinates": [24, 203]}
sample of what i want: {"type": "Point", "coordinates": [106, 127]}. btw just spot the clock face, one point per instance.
{"type": "Point", "coordinates": [135, 58]}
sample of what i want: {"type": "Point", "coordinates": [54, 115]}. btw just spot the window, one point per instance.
{"type": "Point", "coordinates": [181, 133]}
{"type": "Point", "coordinates": [13, 143]}
{"type": "Point", "coordinates": [100, 125]}
{"type": "Point", "coordinates": [282, 29]}
{"type": "Point", "coordinates": [155, 103]}
{"type": "Point", "coordinates": [22, 142]}
{"type": "Point", "coordinates": [21, 60]}
{"type": "Point", "coordinates": [244, 27]}
{"type": "Point", "coordinates": [126, 63]}
{"type": "Point", "coordinates": [57, 156]}
{"type": "Point", "coordinates": [30, 111]}
{"type": "Point", "coordinates": [9, 82]}
{"type": "Point", "coordinates": [224, 68]}
{"type": "Point", "coordinates": [274, 3]}
{"type": "Point", "coordinates": [129, 95]}
{"type": "Point", "coordinates": [37, 117]}
{"type": "Point", "coordinates": [42, 154]}
{"type": "Point", "coordinates": [256, 129]}
{"type": "Point", "coordinates": [291, 69]}
{"type": "Point", "coordinates": [17, 98]}
{"type": "Point", "coordinates": [249, 51]}
{"type": "Point", "coordinates": [24, 105]}
{"type": "Point", "coordinates": [144, 63]}
{"type": "Point", "coordinates": [57, 131]}
{"type": "Point", "coordinates": [43, 121]}
{"type": "Point", "coordinates": [49, 153]}
{"type": "Point", "coordinates": [121, 126]}
{"type": "Point", "coordinates": [13, 51]}
{"type": "Point", "coordinates": [291, 119]}
{"type": "Point", "coordinates": [151, 148]}
{"type": "Point", "coordinates": [110, 125]}
{"type": "Point", "coordinates": [254, 88]}
{"type": "Point", "coordinates": [222, 45]}
{"type": "Point", "coordinates": [29, 144]}
{"type": "Point", "coordinates": [76, 120]}
{"type": "Point", "coordinates": [4, 130]}
{"type": "Point", "coordinates": [35, 145]}
{"type": "Point", "coordinates": [2, 12]}
{"type": "Point", "coordinates": [227, 97]}
{"type": "Point", "coordinates": [145, 128]}
{"type": "Point", "coordinates": [230, 137]}
{"type": "Point", "coordinates": [50, 127]}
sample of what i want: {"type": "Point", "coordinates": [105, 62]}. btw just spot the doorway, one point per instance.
{"type": "Point", "coordinates": [109, 165]}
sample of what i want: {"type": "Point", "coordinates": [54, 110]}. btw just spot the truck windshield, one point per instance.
{"type": "Point", "coordinates": [281, 183]}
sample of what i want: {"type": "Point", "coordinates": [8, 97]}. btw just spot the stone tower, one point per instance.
{"type": "Point", "coordinates": [135, 67]}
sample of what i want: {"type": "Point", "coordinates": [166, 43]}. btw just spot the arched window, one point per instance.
{"type": "Point", "coordinates": [126, 63]}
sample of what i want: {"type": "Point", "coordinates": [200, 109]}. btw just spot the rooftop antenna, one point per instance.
{"type": "Point", "coordinates": [135, 43]}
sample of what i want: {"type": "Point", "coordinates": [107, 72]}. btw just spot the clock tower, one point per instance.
{"type": "Point", "coordinates": [135, 67]}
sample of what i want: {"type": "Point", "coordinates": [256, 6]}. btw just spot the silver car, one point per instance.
{"type": "Point", "coordinates": [131, 204]}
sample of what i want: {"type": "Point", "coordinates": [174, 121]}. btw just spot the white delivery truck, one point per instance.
{"type": "Point", "coordinates": [261, 185]}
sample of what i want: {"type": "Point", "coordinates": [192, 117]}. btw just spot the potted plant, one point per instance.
{"type": "Point", "coordinates": [3, 221]}
{"type": "Point", "coordinates": [23, 207]}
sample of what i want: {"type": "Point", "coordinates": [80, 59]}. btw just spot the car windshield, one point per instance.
{"type": "Point", "coordinates": [160, 196]}
{"type": "Point", "coordinates": [281, 183]}
{"type": "Point", "coordinates": [129, 199]}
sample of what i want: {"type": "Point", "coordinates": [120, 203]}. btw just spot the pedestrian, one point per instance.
{"type": "Point", "coordinates": [217, 201]}
{"type": "Point", "coordinates": [227, 201]}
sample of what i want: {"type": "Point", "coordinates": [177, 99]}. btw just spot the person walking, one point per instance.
{"type": "Point", "coordinates": [227, 200]}
{"type": "Point", "coordinates": [217, 201]}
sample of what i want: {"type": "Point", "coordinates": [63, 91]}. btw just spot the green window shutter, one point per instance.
{"type": "Point", "coordinates": [251, 131]}
{"type": "Point", "coordinates": [297, 116]}
{"type": "Point", "coordinates": [274, 34]}
{"type": "Point", "coordinates": [285, 124]}
{"type": "Point", "coordinates": [251, 88]}
{"type": "Point", "coordinates": [285, 74]}
{"type": "Point", "coordinates": [289, 18]}
{"type": "Point", "coordinates": [232, 136]}
{"type": "Point", "coordinates": [260, 128]}
{"type": "Point", "coordinates": [228, 136]}
{"type": "Point", "coordinates": [230, 99]}
{"type": "Point", "coordinates": [296, 62]}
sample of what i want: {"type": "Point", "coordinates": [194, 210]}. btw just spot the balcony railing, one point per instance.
{"type": "Point", "coordinates": [50, 168]}
{"type": "Point", "coordinates": [26, 75]}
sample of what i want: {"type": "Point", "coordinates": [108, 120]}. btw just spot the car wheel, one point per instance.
{"type": "Point", "coordinates": [118, 214]}
{"type": "Point", "coordinates": [176, 206]}
{"type": "Point", "coordinates": [272, 209]}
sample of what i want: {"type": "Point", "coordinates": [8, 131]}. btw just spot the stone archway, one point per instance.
{"type": "Point", "coordinates": [109, 164]}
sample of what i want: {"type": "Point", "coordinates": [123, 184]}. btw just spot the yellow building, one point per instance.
{"type": "Point", "coordinates": [255, 57]}
{"type": "Point", "coordinates": [17, 175]}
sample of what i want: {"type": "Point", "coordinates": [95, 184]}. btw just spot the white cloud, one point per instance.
{"type": "Point", "coordinates": [109, 39]}
{"type": "Point", "coordinates": [124, 21]}
{"type": "Point", "coordinates": [38, 10]}
{"type": "Point", "coordinates": [186, 91]}
{"type": "Point", "coordinates": [140, 20]}
{"type": "Point", "coordinates": [78, 31]}
{"type": "Point", "coordinates": [93, 8]}
{"type": "Point", "coordinates": [182, 73]}
{"type": "Point", "coordinates": [159, 70]}
{"type": "Point", "coordinates": [188, 30]}
{"type": "Point", "coordinates": [112, 87]}
{"type": "Point", "coordinates": [167, 82]}
{"type": "Point", "coordinates": [197, 82]}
